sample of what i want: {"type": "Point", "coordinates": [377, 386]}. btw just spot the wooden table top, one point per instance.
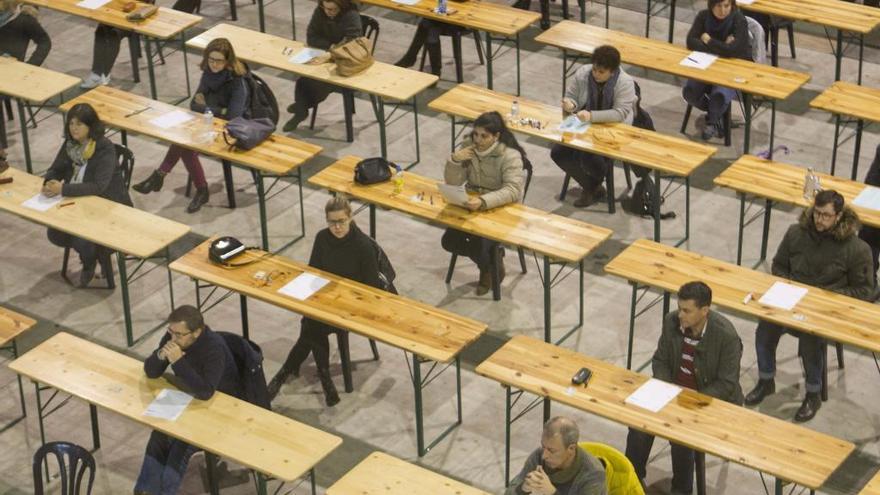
{"type": "Point", "coordinates": [498, 19]}
{"type": "Point", "coordinates": [873, 486]}
{"type": "Point", "coordinates": [231, 428]}
{"type": "Point", "coordinates": [744, 75]}
{"type": "Point", "coordinates": [381, 79]}
{"type": "Point", "coordinates": [404, 323]}
{"type": "Point", "coordinates": [850, 99]}
{"type": "Point", "coordinates": [108, 223]}
{"type": "Point", "coordinates": [824, 313]}
{"type": "Point", "coordinates": [278, 154]}
{"type": "Point", "coordinates": [782, 449]}
{"type": "Point", "coordinates": [784, 183]}
{"type": "Point", "coordinates": [32, 83]}
{"type": "Point", "coordinates": [847, 16]}
{"type": "Point", "coordinates": [382, 474]}
{"type": "Point", "coordinates": [559, 237]}
{"type": "Point", "coordinates": [13, 324]}
{"type": "Point", "coordinates": [165, 24]}
{"type": "Point", "coordinates": [668, 154]}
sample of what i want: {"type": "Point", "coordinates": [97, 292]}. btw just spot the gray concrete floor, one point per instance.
{"type": "Point", "coordinates": [379, 414]}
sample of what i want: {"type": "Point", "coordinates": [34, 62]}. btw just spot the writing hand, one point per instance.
{"type": "Point", "coordinates": [52, 188]}
{"type": "Point", "coordinates": [584, 116]}
{"type": "Point", "coordinates": [568, 105]}
{"type": "Point", "coordinates": [705, 38]}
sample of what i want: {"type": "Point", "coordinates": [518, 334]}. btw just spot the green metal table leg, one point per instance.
{"type": "Point", "coordinates": [302, 204]}
{"type": "Point", "coordinates": [126, 304]}
{"type": "Point", "coordinates": [242, 300]}
{"type": "Point", "coordinates": [168, 270]}
{"type": "Point", "coordinates": [211, 465]}
{"type": "Point", "coordinates": [24, 135]}
{"type": "Point", "coordinates": [415, 107]}
{"type": "Point", "coordinates": [96, 434]}
{"type": "Point", "coordinates": [861, 55]}
{"type": "Point", "coordinates": [547, 319]}
{"type": "Point", "coordinates": [647, 20]}
{"type": "Point", "coordinates": [261, 15]}
{"type": "Point", "coordinates": [772, 128]}
{"type": "Point", "coordinates": [582, 295]}
{"type": "Point", "coordinates": [372, 220]}
{"type": "Point", "coordinates": [671, 19]}
{"type": "Point", "coordinates": [747, 110]}
{"type": "Point", "coordinates": [656, 201]}
{"type": "Point", "coordinates": [837, 120]}
{"type": "Point", "coordinates": [765, 234]}
{"type": "Point", "coordinates": [261, 480]}
{"type": "Point", "coordinates": [42, 427]}
{"type": "Point", "coordinates": [452, 136]}
{"type": "Point", "coordinates": [742, 227]}
{"type": "Point", "coordinates": [632, 326]}
{"type": "Point", "coordinates": [417, 388]}
{"type": "Point", "coordinates": [779, 490]}
{"type": "Point", "coordinates": [489, 58]}
{"type": "Point", "coordinates": [517, 64]}
{"type": "Point", "coordinates": [380, 117]}
{"type": "Point", "coordinates": [293, 18]}
{"type": "Point", "coordinates": [860, 125]}
{"type": "Point", "coordinates": [150, 69]}
{"type": "Point", "coordinates": [261, 201]}
{"type": "Point", "coordinates": [507, 423]}
{"type": "Point", "coordinates": [185, 63]}
{"type": "Point", "coordinates": [312, 478]}
{"type": "Point", "coordinates": [838, 55]}
{"type": "Point", "coordinates": [13, 348]}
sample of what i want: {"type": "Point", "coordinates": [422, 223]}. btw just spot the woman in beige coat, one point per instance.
{"type": "Point", "coordinates": [490, 163]}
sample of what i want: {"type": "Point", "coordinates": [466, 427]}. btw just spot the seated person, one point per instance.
{"type": "Point", "coordinates": [491, 164]}
{"type": "Point", "coordinates": [18, 27]}
{"type": "Point", "coordinates": [559, 466]}
{"type": "Point", "coordinates": [822, 250]}
{"type": "Point", "coordinates": [223, 89]}
{"type": "Point", "coordinates": [106, 47]}
{"type": "Point", "coordinates": [601, 92]}
{"type": "Point", "coordinates": [428, 33]}
{"type": "Point", "coordinates": [333, 22]}
{"type": "Point", "coordinates": [85, 166]}
{"type": "Point", "coordinates": [202, 364]}
{"type": "Point", "coordinates": [721, 30]}
{"type": "Point", "coordinates": [698, 349]}
{"type": "Point", "coordinates": [871, 235]}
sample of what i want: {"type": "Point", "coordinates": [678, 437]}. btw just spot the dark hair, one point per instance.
{"type": "Point", "coordinates": [494, 123]}
{"type": "Point", "coordinates": [189, 315]}
{"type": "Point", "coordinates": [86, 114]}
{"type": "Point", "coordinates": [829, 196]}
{"type": "Point", "coordinates": [713, 3]}
{"type": "Point", "coordinates": [344, 5]}
{"type": "Point", "coordinates": [606, 57]}
{"type": "Point", "coordinates": [697, 292]}
{"type": "Point", "coordinates": [223, 46]}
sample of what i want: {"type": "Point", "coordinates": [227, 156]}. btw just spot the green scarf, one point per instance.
{"type": "Point", "coordinates": [79, 154]}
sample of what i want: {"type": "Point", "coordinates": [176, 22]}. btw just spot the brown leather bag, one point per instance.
{"type": "Point", "coordinates": [352, 57]}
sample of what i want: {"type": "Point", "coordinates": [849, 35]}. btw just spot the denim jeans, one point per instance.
{"type": "Point", "coordinates": [809, 349]}
{"type": "Point", "coordinates": [164, 464]}
{"type": "Point", "coordinates": [708, 98]}
{"type": "Point", "coordinates": [638, 449]}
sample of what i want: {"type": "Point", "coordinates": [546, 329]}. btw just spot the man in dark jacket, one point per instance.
{"type": "Point", "coordinates": [698, 349]}
{"type": "Point", "coordinates": [203, 364]}
{"type": "Point", "coordinates": [560, 466]}
{"type": "Point", "coordinates": [821, 250]}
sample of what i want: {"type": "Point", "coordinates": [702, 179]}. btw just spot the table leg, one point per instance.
{"type": "Point", "coordinates": [168, 270]}
{"type": "Point", "coordinates": [380, 118]}
{"type": "Point", "coordinates": [518, 78]}
{"type": "Point", "coordinates": [772, 128]}
{"type": "Point", "coordinates": [607, 14]}
{"type": "Point", "coordinates": [126, 304]}
{"type": "Point", "coordinates": [861, 55]}
{"type": "Point", "coordinates": [647, 20]}
{"type": "Point", "coordinates": [96, 434]}
{"type": "Point", "coordinates": [312, 481]}
{"type": "Point", "coordinates": [150, 69]}
{"type": "Point", "coordinates": [242, 301]}
{"type": "Point", "coordinates": [665, 306]}
{"type": "Point", "coordinates": [302, 205]}
{"type": "Point", "coordinates": [860, 125]}
{"type": "Point", "coordinates": [489, 58]}
{"type": "Point", "coordinates": [185, 63]}
{"type": "Point", "coordinates": [261, 480]}
{"type": "Point", "coordinates": [838, 55]}
{"type": "Point", "coordinates": [582, 295]}
{"type": "Point", "coordinates": [700, 467]}
{"type": "Point", "coordinates": [836, 141]}
{"type": "Point", "coordinates": [211, 465]}
{"type": "Point", "coordinates": [687, 210]}
{"type": "Point", "coordinates": [415, 107]}
{"type": "Point", "coordinates": [261, 201]}
{"type": "Point", "coordinates": [671, 19]}
{"type": "Point", "coordinates": [417, 389]}
{"type": "Point", "coordinates": [547, 281]}
{"type": "Point", "coordinates": [42, 426]}
{"type": "Point", "coordinates": [778, 490]}
{"type": "Point", "coordinates": [765, 234]}
{"type": "Point", "coordinates": [742, 226]}
{"type": "Point", "coordinates": [774, 46]}
{"type": "Point", "coordinates": [747, 110]}
{"type": "Point", "coordinates": [656, 201]}
{"type": "Point", "coordinates": [372, 220]}
{"type": "Point", "coordinates": [507, 423]}
{"type": "Point", "coordinates": [24, 135]}
{"type": "Point", "coordinates": [13, 348]}
{"type": "Point", "coordinates": [419, 404]}
{"type": "Point", "coordinates": [261, 16]}
{"type": "Point", "coordinates": [293, 28]}
{"type": "Point", "coordinates": [632, 325]}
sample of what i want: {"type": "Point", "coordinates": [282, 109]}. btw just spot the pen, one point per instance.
{"type": "Point", "coordinates": [62, 205]}
{"type": "Point", "coordinates": [748, 298]}
{"type": "Point", "coordinates": [132, 114]}
{"type": "Point", "coordinates": [693, 60]}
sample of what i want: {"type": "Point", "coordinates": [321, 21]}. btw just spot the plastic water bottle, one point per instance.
{"type": "Point", "coordinates": [441, 6]}
{"type": "Point", "coordinates": [208, 125]}
{"type": "Point", "coordinates": [811, 185]}
{"type": "Point", "coordinates": [514, 109]}
{"type": "Point", "coordinates": [398, 180]}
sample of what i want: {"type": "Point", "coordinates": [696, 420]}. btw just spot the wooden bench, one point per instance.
{"type": "Point", "coordinates": [745, 76]}
{"type": "Point", "coordinates": [843, 98]}
{"type": "Point", "coordinates": [769, 445]}
{"type": "Point", "coordinates": [12, 325]}
{"type": "Point", "coordinates": [120, 228]}
{"type": "Point", "coordinates": [381, 81]}
{"type": "Point", "coordinates": [277, 157]}
{"type": "Point", "coordinates": [428, 333]}
{"type": "Point", "coordinates": [276, 446]}
{"type": "Point", "coordinates": [29, 83]}
{"type": "Point", "coordinates": [666, 155]}
{"type": "Point", "coordinates": [558, 239]}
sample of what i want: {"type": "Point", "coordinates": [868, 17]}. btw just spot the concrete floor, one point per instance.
{"type": "Point", "coordinates": [379, 414]}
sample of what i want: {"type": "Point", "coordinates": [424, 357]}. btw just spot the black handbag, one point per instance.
{"type": "Point", "coordinates": [247, 133]}
{"type": "Point", "coordinates": [372, 171]}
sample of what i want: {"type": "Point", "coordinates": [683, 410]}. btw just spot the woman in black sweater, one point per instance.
{"type": "Point", "coordinates": [85, 166]}
{"type": "Point", "coordinates": [18, 27]}
{"type": "Point", "coordinates": [720, 30]}
{"type": "Point", "coordinates": [341, 249]}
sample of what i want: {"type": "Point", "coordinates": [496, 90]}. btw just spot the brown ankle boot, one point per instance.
{"type": "Point", "coordinates": [485, 283]}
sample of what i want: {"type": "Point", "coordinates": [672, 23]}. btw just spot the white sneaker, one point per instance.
{"type": "Point", "coordinates": [105, 79]}
{"type": "Point", "coordinates": [92, 81]}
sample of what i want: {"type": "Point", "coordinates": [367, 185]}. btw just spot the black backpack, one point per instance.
{"type": "Point", "coordinates": [262, 102]}
{"type": "Point", "coordinates": [641, 202]}
{"type": "Point", "coordinates": [386, 271]}
{"type": "Point", "coordinates": [249, 363]}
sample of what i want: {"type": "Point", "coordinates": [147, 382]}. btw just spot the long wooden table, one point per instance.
{"type": "Point", "coordinates": [499, 20]}
{"type": "Point", "coordinates": [428, 333]}
{"type": "Point", "coordinates": [164, 25]}
{"type": "Point", "coordinates": [224, 426]}
{"type": "Point", "coordinates": [381, 81]}
{"type": "Point", "coordinates": [787, 451]}
{"type": "Point", "coordinates": [558, 239]}
{"type": "Point", "coordinates": [873, 486]}
{"type": "Point", "coordinates": [277, 157]}
{"type": "Point", "coordinates": [843, 98]}
{"type": "Point", "coordinates": [382, 474]}
{"type": "Point", "coordinates": [666, 155]}
{"type": "Point", "coordinates": [29, 83]}
{"type": "Point", "coordinates": [782, 183]}
{"type": "Point", "coordinates": [12, 325]}
{"type": "Point", "coordinates": [126, 230]}
{"type": "Point", "coordinates": [747, 77]}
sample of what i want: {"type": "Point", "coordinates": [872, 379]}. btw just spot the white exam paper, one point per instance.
{"type": "Point", "coordinates": [306, 54]}
{"type": "Point", "coordinates": [456, 195]}
{"type": "Point", "coordinates": [169, 404]}
{"type": "Point", "coordinates": [745, 2]}
{"type": "Point", "coordinates": [783, 296]}
{"type": "Point", "coordinates": [92, 4]}
{"type": "Point", "coordinates": [303, 286]}
{"type": "Point", "coordinates": [171, 119]}
{"type": "Point", "coordinates": [40, 202]}
{"type": "Point", "coordinates": [406, 2]}
{"type": "Point", "coordinates": [573, 124]}
{"type": "Point", "coordinates": [653, 395]}
{"type": "Point", "coordinates": [868, 198]}
{"type": "Point", "coordinates": [699, 60]}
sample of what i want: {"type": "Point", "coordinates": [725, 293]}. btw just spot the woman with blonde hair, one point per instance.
{"type": "Point", "coordinates": [18, 27]}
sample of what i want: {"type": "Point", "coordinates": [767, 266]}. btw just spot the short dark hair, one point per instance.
{"type": "Point", "coordinates": [607, 57]}
{"type": "Point", "coordinates": [86, 114]}
{"type": "Point", "coordinates": [189, 315]}
{"type": "Point", "coordinates": [344, 5]}
{"type": "Point", "coordinates": [713, 3]}
{"type": "Point", "coordinates": [829, 196]}
{"type": "Point", "coordinates": [696, 291]}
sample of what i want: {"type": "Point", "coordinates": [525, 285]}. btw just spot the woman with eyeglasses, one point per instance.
{"type": "Point", "coordinates": [223, 89]}
{"type": "Point", "coordinates": [490, 163]}
{"type": "Point", "coordinates": [341, 249]}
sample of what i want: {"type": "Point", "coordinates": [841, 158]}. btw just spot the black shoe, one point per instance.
{"type": "Point", "coordinates": [331, 397]}
{"type": "Point", "coordinates": [809, 407]}
{"type": "Point", "coordinates": [710, 131]}
{"type": "Point", "coordinates": [199, 198]}
{"type": "Point", "coordinates": [86, 276]}
{"type": "Point", "coordinates": [589, 198]}
{"type": "Point", "coordinates": [280, 378]}
{"type": "Point", "coordinates": [291, 108]}
{"type": "Point", "coordinates": [294, 121]}
{"type": "Point", "coordinates": [406, 61]}
{"type": "Point", "coordinates": [152, 184]}
{"type": "Point", "coordinates": [761, 390]}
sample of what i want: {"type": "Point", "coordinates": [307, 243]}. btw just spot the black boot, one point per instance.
{"type": "Point", "coordinates": [277, 381]}
{"type": "Point", "coordinates": [412, 53]}
{"type": "Point", "coordinates": [330, 394]}
{"type": "Point", "coordinates": [152, 184]}
{"type": "Point", "coordinates": [199, 198]}
{"type": "Point", "coordinates": [291, 366]}
{"type": "Point", "coordinates": [435, 57]}
{"type": "Point", "coordinates": [299, 114]}
{"type": "Point", "coordinates": [761, 390]}
{"type": "Point", "coordinates": [809, 408]}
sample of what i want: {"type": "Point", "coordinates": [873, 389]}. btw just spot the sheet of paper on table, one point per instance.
{"type": "Point", "coordinates": [169, 404]}
{"type": "Point", "coordinates": [93, 4]}
{"type": "Point", "coordinates": [573, 124]}
{"type": "Point", "coordinates": [41, 203]}
{"type": "Point", "coordinates": [303, 286]}
{"type": "Point", "coordinates": [699, 60]}
{"type": "Point", "coordinates": [306, 54]}
{"type": "Point", "coordinates": [783, 296]}
{"type": "Point", "coordinates": [171, 119]}
{"type": "Point", "coordinates": [653, 395]}
{"type": "Point", "coordinates": [869, 198]}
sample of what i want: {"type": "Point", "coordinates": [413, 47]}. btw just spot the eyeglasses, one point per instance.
{"type": "Point", "coordinates": [337, 223]}
{"type": "Point", "coordinates": [178, 334]}
{"type": "Point", "coordinates": [824, 215]}
{"type": "Point", "coordinates": [216, 60]}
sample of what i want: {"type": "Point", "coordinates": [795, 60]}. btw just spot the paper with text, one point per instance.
{"type": "Point", "coordinates": [40, 202]}
{"type": "Point", "coordinates": [783, 296]}
{"type": "Point", "coordinates": [653, 395]}
{"type": "Point", "coordinates": [306, 54]}
{"type": "Point", "coordinates": [171, 119]}
{"type": "Point", "coordinates": [456, 195]}
{"type": "Point", "coordinates": [169, 404]}
{"type": "Point", "coordinates": [303, 286]}
{"type": "Point", "coordinates": [573, 124]}
{"type": "Point", "coordinates": [869, 198]}
{"type": "Point", "coordinates": [92, 4]}
{"type": "Point", "coordinates": [699, 60]}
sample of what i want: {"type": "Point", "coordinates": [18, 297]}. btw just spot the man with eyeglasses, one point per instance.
{"type": "Point", "coordinates": [203, 365]}
{"type": "Point", "coordinates": [821, 250]}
